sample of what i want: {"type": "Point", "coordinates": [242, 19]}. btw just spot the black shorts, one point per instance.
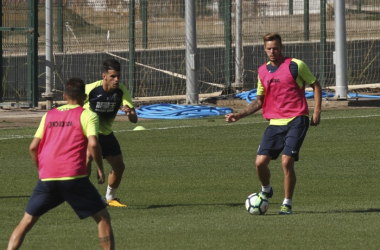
{"type": "Point", "coordinates": [79, 193]}
{"type": "Point", "coordinates": [287, 139]}
{"type": "Point", "coordinates": [109, 145]}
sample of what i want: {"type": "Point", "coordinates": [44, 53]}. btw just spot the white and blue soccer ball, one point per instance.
{"type": "Point", "coordinates": [257, 204]}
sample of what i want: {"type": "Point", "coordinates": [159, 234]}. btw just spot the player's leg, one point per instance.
{"type": "Point", "coordinates": [86, 201]}
{"type": "Point", "coordinates": [114, 179]}
{"type": "Point", "coordinates": [106, 238]}
{"type": "Point", "coordinates": [18, 235]}
{"type": "Point", "coordinates": [262, 169]}
{"type": "Point", "coordinates": [118, 167]}
{"type": "Point", "coordinates": [294, 138]}
{"type": "Point", "coordinates": [112, 153]}
{"type": "Point", "coordinates": [45, 197]}
{"type": "Point", "coordinates": [270, 148]}
{"type": "Point", "coordinates": [263, 172]}
{"type": "Point", "coordinates": [289, 184]}
{"type": "Point", "coordinates": [289, 175]}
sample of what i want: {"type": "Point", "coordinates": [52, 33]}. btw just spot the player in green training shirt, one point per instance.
{"type": "Point", "coordinates": [105, 97]}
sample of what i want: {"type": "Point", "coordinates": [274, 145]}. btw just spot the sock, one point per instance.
{"type": "Point", "coordinates": [110, 194]}
{"type": "Point", "coordinates": [266, 189]}
{"type": "Point", "coordinates": [287, 202]}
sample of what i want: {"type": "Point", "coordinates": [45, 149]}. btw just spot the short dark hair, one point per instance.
{"type": "Point", "coordinates": [75, 88]}
{"type": "Point", "coordinates": [110, 64]}
{"type": "Point", "coordinates": [271, 37]}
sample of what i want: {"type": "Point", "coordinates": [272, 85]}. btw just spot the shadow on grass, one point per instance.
{"type": "Point", "coordinates": [158, 206]}
{"type": "Point", "coordinates": [370, 210]}
{"type": "Point", "coordinates": [11, 197]}
{"type": "Point", "coordinates": [194, 205]}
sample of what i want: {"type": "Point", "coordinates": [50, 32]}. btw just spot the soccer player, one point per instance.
{"type": "Point", "coordinates": [59, 151]}
{"type": "Point", "coordinates": [105, 97]}
{"type": "Point", "coordinates": [281, 96]}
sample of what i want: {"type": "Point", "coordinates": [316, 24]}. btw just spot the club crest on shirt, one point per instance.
{"type": "Point", "coordinates": [112, 98]}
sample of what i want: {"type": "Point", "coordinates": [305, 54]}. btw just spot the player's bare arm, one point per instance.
{"type": "Point", "coordinates": [255, 106]}
{"type": "Point", "coordinates": [131, 113]}
{"type": "Point", "coordinates": [316, 119]}
{"type": "Point", "coordinates": [95, 152]}
{"type": "Point", "coordinates": [33, 150]}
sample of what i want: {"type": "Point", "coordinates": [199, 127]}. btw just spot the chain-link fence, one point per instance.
{"type": "Point", "coordinates": [87, 31]}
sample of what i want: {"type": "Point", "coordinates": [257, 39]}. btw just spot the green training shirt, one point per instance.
{"type": "Point", "coordinates": [106, 104]}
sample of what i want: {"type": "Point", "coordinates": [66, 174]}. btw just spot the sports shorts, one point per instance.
{"type": "Point", "coordinates": [80, 193]}
{"type": "Point", "coordinates": [109, 145]}
{"type": "Point", "coordinates": [287, 139]}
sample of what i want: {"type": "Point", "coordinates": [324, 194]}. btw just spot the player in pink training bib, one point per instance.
{"type": "Point", "coordinates": [281, 96]}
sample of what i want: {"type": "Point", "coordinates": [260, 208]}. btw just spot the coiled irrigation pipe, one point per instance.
{"type": "Point", "coordinates": [252, 94]}
{"type": "Point", "coordinates": [173, 111]}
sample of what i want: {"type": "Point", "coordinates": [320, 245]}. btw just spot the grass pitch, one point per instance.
{"type": "Point", "coordinates": [186, 182]}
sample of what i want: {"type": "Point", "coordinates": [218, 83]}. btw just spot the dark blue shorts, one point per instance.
{"type": "Point", "coordinates": [79, 193]}
{"type": "Point", "coordinates": [287, 139]}
{"type": "Point", "coordinates": [109, 145]}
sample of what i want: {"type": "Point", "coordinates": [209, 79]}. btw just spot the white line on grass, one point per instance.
{"type": "Point", "coordinates": [10, 137]}
{"type": "Point", "coordinates": [349, 117]}
{"type": "Point", "coordinates": [245, 123]}
{"type": "Point", "coordinates": [195, 126]}
{"type": "Point", "coordinates": [16, 137]}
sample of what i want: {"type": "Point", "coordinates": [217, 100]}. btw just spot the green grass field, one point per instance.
{"type": "Point", "coordinates": [187, 180]}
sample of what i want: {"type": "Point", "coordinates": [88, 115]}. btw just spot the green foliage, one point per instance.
{"type": "Point", "coordinates": [186, 182]}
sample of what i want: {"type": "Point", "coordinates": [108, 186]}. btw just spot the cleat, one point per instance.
{"type": "Point", "coordinates": [115, 203]}
{"type": "Point", "coordinates": [285, 210]}
{"type": "Point", "coordinates": [268, 195]}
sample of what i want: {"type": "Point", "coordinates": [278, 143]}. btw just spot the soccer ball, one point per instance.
{"type": "Point", "coordinates": [256, 204]}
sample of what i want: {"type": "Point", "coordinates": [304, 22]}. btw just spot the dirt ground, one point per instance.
{"type": "Point", "coordinates": [17, 118]}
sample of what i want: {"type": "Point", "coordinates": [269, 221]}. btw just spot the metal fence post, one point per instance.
{"type": "Point", "coordinates": [306, 19]}
{"type": "Point", "coordinates": [322, 51]}
{"type": "Point", "coordinates": [60, 25]}
{"type": "Point", "coordinates": [48, 94]}
{"type": "Point", "coordinates": [290, 7]}
{"type": "Point", "coordinates": [144, 20]}
{"type": "Point", "coordinates": [132, 43]}
{"type": "Point", "coordinates": [359, 5]}
{"type": "Point", "coordinates": [228, 40]}
{"type": "Point", "coordinates": [239, 80]}
{"type": "Point", "coordinates": [1, 54]}
{"type": "Point", "coordinates": [32, 92]}
{"type": "Point", "coordinates": [341, 70]}
{"type": "Point", "coordinates": [192, 60]}
{"type": "Point", "coordinates": [182, 9]}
